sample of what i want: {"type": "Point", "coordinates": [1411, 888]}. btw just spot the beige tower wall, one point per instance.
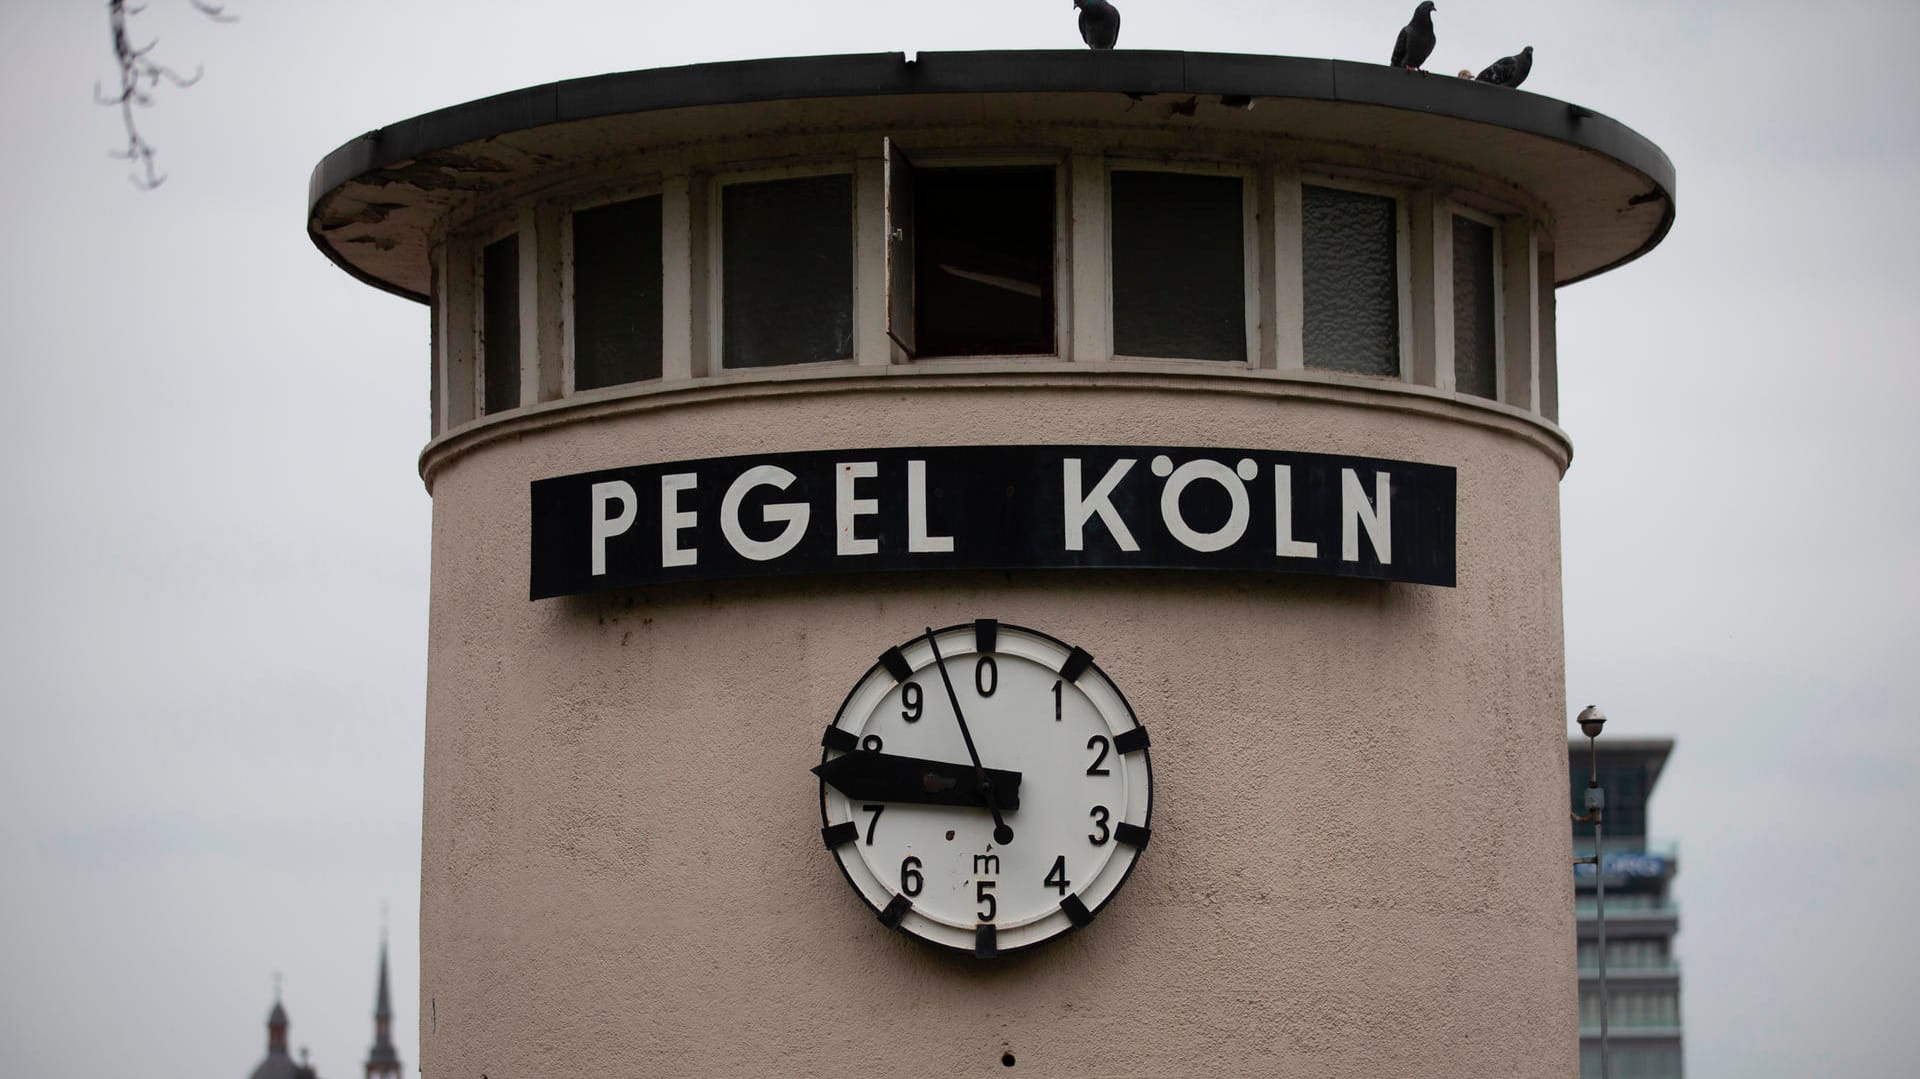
{"type": "Point", "coordinates": [1360, 860]}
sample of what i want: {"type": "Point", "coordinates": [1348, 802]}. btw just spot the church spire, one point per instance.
{"type": "Point", "coordinates": [383, 1061]}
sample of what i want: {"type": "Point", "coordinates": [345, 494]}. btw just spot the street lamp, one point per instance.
{"type": "Point", "coordinates": [1591, 719]}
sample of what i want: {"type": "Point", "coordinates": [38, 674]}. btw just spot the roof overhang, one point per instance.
{"type": "Point", "coordinates": [375, 202]}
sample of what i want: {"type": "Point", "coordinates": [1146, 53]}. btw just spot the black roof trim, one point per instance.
{"type": "Point", "coordinates": [1026, 71]}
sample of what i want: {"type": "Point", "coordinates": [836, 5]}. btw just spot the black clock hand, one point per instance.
{"type": "Point", "coordinates": [1001, 833]}
{"type": "Point", "coordinates": [882, 777]}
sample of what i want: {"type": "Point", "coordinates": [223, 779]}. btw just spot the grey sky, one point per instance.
{"type": "Point", "coordinates": [216, 545]}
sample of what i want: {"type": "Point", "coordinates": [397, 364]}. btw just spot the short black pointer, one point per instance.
{"type": "Point", "coordinates": [883, 777]}
{"type": "Point", "coordinates": [1002, 834]}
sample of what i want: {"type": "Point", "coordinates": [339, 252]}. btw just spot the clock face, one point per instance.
{"type": "Point", "coordinates": [1034, 851]}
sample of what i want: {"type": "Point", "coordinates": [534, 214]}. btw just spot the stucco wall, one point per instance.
{"type": "Point", "coordinates": [1360, 859]}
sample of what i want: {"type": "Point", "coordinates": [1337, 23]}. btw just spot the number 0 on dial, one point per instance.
{"type": "Point", "coordinates": [985, 787]}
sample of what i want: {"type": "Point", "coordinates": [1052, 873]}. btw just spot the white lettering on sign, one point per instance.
{"type": "Point", "coordinates": [795, 514]}
{"type": "Point", "coordinates": [673, 519]}
{"type": "Point", "coordinates": [1079, 508]}
{"type": "Point", "coordinates": [918, 541]}
{"type": "Point", "coordinates": [1357, 511]}
{"type": "Point", "coordinates": [1284, 545]}
{"type": "Point", "coordinates": [848, 509]}
{"type": "Point", "coordinates": [940, 508]}
{"type": "Point", "coordinates": [1231, 480]}
{"type": "Point", "coordinates": [605, 527]}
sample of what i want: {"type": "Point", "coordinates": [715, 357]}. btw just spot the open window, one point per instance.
{"type": "Point", "coordinates": [970, 258]}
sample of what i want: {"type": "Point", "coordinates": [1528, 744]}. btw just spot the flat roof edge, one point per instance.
{"type": "Point", "coordinates": [1123, 71]}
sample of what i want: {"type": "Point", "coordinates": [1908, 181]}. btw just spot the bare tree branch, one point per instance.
{"type": "Point", "coordinates": [140, 75]}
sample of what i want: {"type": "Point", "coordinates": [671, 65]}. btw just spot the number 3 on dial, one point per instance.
{"type": "Point", "coordinates": [986, 787]}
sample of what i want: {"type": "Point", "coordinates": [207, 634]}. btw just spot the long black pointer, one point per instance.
{"type": "Point", "coordinates": [882, 777]}
{"type": "Point", "coordinates": [1002, 834]}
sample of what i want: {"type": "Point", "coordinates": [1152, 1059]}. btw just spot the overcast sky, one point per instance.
{"type": "Point", "coordinates": [215, 542]}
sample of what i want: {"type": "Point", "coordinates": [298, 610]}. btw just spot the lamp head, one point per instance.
{"type": "Point", "coordinates": [1591, 720]}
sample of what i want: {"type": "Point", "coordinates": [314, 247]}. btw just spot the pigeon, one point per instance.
{"type": "Point", "coordinates": [1509, 70]}
{"type": "Point", "coordinates": [1099, 23]}
{"type": "Point", "coordinates": [1415, 43]}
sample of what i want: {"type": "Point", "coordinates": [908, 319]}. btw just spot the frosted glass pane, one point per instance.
{"type": "Point", "coordinates": [500, 323]}
{"type": "Point", "coordinates": [1351, 276]}
{"type": "Point", "coordinates": [1179, 269]}
{"type": "Point", "coordinates": [787, 253]}
{"type": "Point", "coordinates": [1474, 356]}
{"type": "Point", "coordinates": [616, 293]}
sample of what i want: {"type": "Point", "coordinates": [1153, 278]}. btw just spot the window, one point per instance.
{"type": "Point", "coordinates": [1632, 1008]}
{"type": "Point", "coordinates": [1626, 808]}
{"type": "Point", "coordinates": [1179, 266]}
{"type": "Point", "coordinates": [787, 271]}
{"type": "Point", "coordinates": [1350, 274]}
{"type": "Point", "coordinates": [970, 259]}
{"type": "Point", "coordinates": [500, 324]}
{"type": "Point", "coordinates": [1648, 954]}
{"type": "Point", "coordinates": [616, 293]}
{"type": "Point", "coordinates": [1476, 353]}
{"type": "Point", "coordinates": [1633, 1061]}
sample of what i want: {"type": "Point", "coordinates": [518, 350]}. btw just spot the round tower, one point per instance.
{"type": "Point", "coordinates": [995, 560]}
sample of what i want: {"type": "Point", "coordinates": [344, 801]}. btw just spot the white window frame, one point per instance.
{"type": "Point", "coordinates": [481, 238]}
{"type": "Point", "coordinates": [1402, 252]}
{"type": "Point", "coordinates": [1457, 209]}
{"type": "Point", "coordinates": [1255, 288]}
{"type": "Point", "coordinates": [716, 283]}
{"type": "Point", "coordinates": [569, 324]}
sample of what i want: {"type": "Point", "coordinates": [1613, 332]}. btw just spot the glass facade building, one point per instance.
{"type": "Point", "coordinates": [1643, 977]}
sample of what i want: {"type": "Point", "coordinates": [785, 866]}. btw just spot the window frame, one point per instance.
{"type": "Point", "coordinates": [1402, 196]}
{"type": "Point", "coordinates": [716, 185]}
{"type": "Point", "coordinates": [566, 208]}
{"type": "Point", "coordinates": [480, 236]}
{"type": "Point", "coordinates": [1254, 295]}
{"type": "Point", "coordinates": [954, 158]}
{"type": "Point", "coordinates": [1456, 208]}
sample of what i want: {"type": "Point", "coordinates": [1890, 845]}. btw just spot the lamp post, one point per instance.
{"type": "Point", "coordinates": [1591, 719]}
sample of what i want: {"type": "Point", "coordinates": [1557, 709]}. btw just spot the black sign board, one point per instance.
{"type": "Point", "coordinates": [993, 507]}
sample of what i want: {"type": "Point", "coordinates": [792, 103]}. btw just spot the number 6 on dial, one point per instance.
{"type": "Point", "coordinates": [960, 734]}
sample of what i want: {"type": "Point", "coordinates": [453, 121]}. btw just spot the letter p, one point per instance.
{"type": "Point", "coordinates": [605, 527]}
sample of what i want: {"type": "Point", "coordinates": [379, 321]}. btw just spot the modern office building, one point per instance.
{"type": "Point", "coordinates": [841, 464]}
{"type": "Point", "coordinates": [1643, 975]}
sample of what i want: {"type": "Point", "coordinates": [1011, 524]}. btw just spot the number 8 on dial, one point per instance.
{"type": "Point", "coordinates": [985, 787]}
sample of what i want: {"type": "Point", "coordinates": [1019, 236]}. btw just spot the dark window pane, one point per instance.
{"type": "Point", "coordinates": [1351, 269]}
{"type": "Point", "coordinates": [616, 293]}
{"type": "Point", "coordinates": [983, 261]}
{"type": "Point", "coordinates": [1473, 310]}
{"type": "Point", "coordinates": [1179, 266]}
{"type": "Point", "coordinates": [787, 251]}
{"type": "Point", "coordinates": [500, 330]}
{"type": "Point", "coordinates": [1627, 791]}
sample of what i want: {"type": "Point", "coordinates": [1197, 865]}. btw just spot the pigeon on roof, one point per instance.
{"type": "Point", "coordinates": [1509, 70]}
{"type": "Point", "coordinates": [1415, 42]}
{"type": "Point", "coordinates": [1099, 23]}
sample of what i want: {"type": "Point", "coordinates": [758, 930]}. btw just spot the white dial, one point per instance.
{"type": "Point", "coordinates": [1034, 851]}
